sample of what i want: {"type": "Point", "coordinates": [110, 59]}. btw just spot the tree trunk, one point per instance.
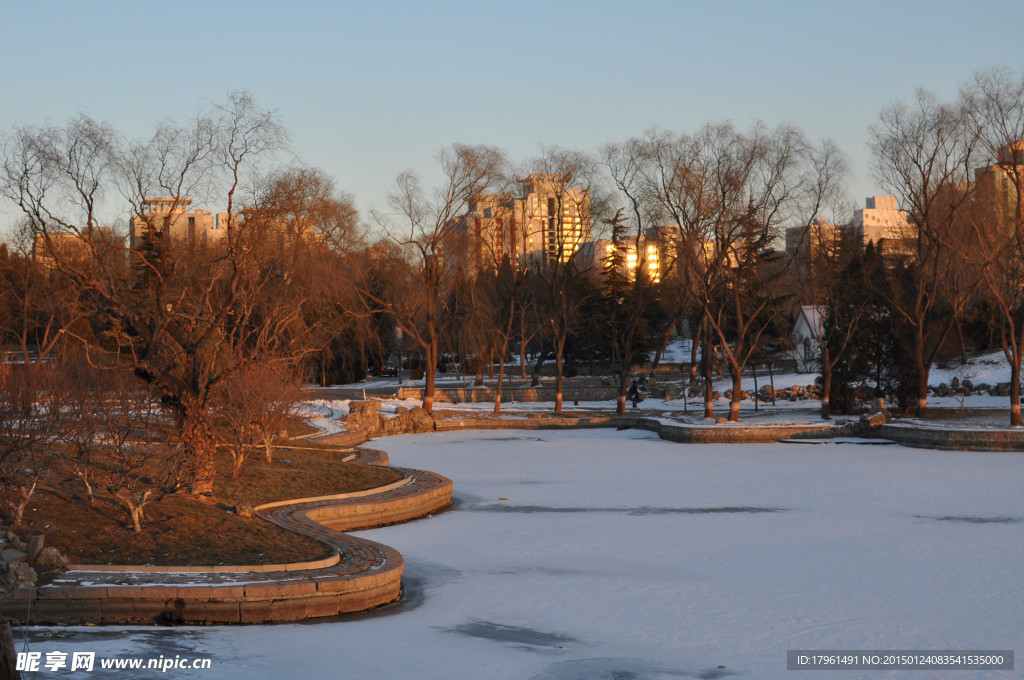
{"type": "Point", "coordinates": [627, 352]}
{"type": "Point", "coordinates": [694, 344]}
{"type": "Point", "coordinates": [8, 655]}
{"type": "Point", "coordinates": [429, 376]}
{"type": "Point", "coordinates": [922, 373]}
{"type": "Point", "coordinates": [497, 389]}
{"type": "Point", "coordinates": [197, 441]}
{"type": "Point", "coordinates": [535, 379]}
{"type": "Point", "coordinates": [709, 380]}
{"type": "Point", "coordinates": [24, 496]}
{"type": "Point", "coordinates": [960, 339]}
{"type": "Point", "coordinates": [737, 394]}
{"type": "Point", "coordinates": [559, 346]}
{"type": "Point", "coordinates": [501, 367]}
{"type": "Point", "coordinates": [664, 344]}
{"type": "Point", "coordinates": [1015, 389]}
{"type": "Point", "coordinates": [137, 517]}
{"type": "Point", "coordinates": [826, 385]}
{"type": "Point", "coordinates": [522, 344]}
{"type": "Point", "coordinates": [237, 458]}
{"type": "Point", "coordinates": [88, 489]}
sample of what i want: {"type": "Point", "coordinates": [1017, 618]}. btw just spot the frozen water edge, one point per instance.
{"type": "Point", "coordinates": [873, 548]}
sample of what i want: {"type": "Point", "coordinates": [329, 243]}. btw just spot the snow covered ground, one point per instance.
{"type": "Point", "coordinates": [589, 555]}
{"type": "Point", "coordinates": [991, 368]}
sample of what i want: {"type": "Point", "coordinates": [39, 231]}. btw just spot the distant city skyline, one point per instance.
{"type": "Point", "coordinates": [368, 92]}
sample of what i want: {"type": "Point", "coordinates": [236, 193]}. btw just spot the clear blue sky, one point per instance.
{"type": "Point", "coordinates": [368, 91]}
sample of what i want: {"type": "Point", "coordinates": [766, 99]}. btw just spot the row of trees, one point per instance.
{"type": "Point", "coordinates": [957, 168]}
{"type": "Point", "coordinates": [727, 194]}
{"type": "Point", "coordinates": [298, 286]}
{"type": "Point", "coordinates": [727, 191]}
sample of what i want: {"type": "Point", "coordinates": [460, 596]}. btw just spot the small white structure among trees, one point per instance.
{"type": "Point", "coordinates": [807, 337]}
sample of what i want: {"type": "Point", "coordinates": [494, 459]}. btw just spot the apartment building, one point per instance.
{"type": "Point", "coordinates": [995, 190]}
{"type": "Point", "coordinates": [69, 247]}
{"type": "Point", "coordinates": [168, 220]}
{"type": "Point", "coordinates": [882, 222]}
{"type": "Point", "coordinates": [547, 217]}
{"type": "Point", "coordinates": [628, 254]}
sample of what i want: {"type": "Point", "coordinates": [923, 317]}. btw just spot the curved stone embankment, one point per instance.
{"type": "Point", "coordinates": [692, 434]}
{"type": "Point", "coordinates": [364, 575]}
{"type": "Point", "coordinates": [953, 439]}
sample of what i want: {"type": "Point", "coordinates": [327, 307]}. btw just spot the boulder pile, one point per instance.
{"type": "Point", "coordinates": [792, 393]}
{"type": "Point", "coordinates": [21, 564]}
{"type": "Point", "coordinates": [366, 416]}
{"type": "Point", "coordinates": [965, 388]}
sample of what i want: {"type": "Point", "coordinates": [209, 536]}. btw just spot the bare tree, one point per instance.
{"type": "Point", "coordinates": [553, 231]}
{"type": "Point", "coordinates": [995, 105]}
{"type": "Point", "coordinates": [729, 192]}
{"type": "Point", "coordinates": [424, 227]}
{"type": "Point", "coordinates": [923, 154]}
{"type": "Point", "coordinates": [137, 462]}
{"type": "Point", "coordinates": [630, 165]}
{"type": "Point", "coordinates": [818, 262]}
{"type": "Point", "coordinates": [251, 407]}
{"type": "Point", "coordinates": [26, 432]}
{"type": "Point", "coordinates": [182, 316]}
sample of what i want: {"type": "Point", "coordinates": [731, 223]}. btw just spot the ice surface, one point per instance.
{"type": "Point", "coordinates": [612, 554]}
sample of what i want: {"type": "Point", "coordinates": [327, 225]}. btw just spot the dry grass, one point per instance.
{"type": "Point", "coordinates": [177, 531]}
{"type": "Point", "coordinates": [299, 472]}
{"type": "Point", "coordinates": [297, 428]}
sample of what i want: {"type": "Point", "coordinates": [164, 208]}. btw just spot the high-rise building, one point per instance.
{"type": "Point", "coordinates": [628, 255]}
{"type": "Point", "coordinates": [70, 247]}
{"type": "Point", "coordinates": [811, 243]}
{"type": "Point", "coordinates": [167, 220]}
{"type": "Point", "coordinates": [555, 216]}
{"type": "Point", "coordinates": [548, 218]}
{"type": "Point", "coordinates": [882, 222]}
{"type": "Point", "coordinates": [995, 190]}
{"type": "Point", "coordinates": [492, 227]}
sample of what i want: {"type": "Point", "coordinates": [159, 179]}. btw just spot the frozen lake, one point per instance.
{"type": "Point", "coordinates": [607, 555]}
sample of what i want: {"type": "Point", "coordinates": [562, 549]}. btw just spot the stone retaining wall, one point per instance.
{"type": "Point", "coordinates": [695, 434]}
{"type": "Point", "coordinates": [510, 395]}
{"type": "Point", "coordinates": [953, 440]}
{"type": "Point", "coordinates": [397, 509]}
{"type": "Point", "coordinates": [314, 594]}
